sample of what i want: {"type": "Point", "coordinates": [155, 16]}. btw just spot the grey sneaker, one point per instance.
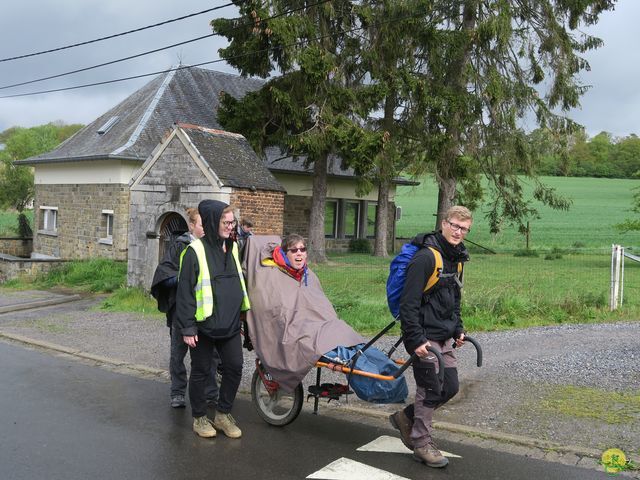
{"type": "Point", "coordinates": [430, 455]}
{"type": "Point", "coordinates": [177, 401]}
{"type": "Point", "coordinates": [226, 423]}
{"type": "Point", "coordinates": [203, 427]}
{"type": "Point", "coordinates": [401, 422]}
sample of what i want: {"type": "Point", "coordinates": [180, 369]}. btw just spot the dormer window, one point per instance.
{"type": "Point", "coordinates": [107, 126]}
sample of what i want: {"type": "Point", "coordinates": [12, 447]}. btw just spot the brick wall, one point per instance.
{"type": "Point", "coordinates": [17, 247]}
{"type": "Point", "coordinates": [297, 210]}
{"type": "Point", "coordinates": [81, 224]}
{"type": "Point", "coordinates": [265, 209]}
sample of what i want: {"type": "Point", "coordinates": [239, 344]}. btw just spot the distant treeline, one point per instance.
{"type": "Point", "coordinates": [578, 156]}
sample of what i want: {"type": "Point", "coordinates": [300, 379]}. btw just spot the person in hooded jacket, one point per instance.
{"type": "Point", "coordinates": [211, 296]}
{"type": "Point", "coordinates": [432, 320]}
{"type": "Point", "coordinates": [163, 289]}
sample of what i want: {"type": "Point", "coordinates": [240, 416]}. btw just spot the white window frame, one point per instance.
{"type": "Point", "coordinates": [49, 220]}
{"type": "Point", "coordinates": [107, 217]}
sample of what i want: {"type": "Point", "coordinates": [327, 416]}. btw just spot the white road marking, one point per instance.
{"type": "Point", "coordinates": [388, 444]}
{"type": "Point", "coordinates": [346, 469]}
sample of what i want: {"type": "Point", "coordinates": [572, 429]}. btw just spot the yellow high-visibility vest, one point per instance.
{"type": "Point", "coordinates": [203, 290]}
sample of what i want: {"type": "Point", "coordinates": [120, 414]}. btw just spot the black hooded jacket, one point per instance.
{"type": "Point", "coordinates": [225, 282]}
{"type": "Point", "coordinates": [434, 315]}
{"type": "Point", "coordinates": [165, 278]}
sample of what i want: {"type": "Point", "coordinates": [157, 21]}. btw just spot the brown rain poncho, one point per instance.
{"type": "Point", "coordinates": [290, 325]}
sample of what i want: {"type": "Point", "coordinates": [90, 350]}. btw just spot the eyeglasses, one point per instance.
{"type": "Point", "coordinates": [231, 223]}
{"type": "Point", "coordinates": [296, 250]}
{"type": "Point", "coordinates": [455, 227]}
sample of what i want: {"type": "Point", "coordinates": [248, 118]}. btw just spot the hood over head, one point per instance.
{"type": "Point", "coordinates": [210, 212]}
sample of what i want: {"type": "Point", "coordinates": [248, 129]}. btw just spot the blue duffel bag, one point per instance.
{"type": "Point", "coordinates": [374, 361]}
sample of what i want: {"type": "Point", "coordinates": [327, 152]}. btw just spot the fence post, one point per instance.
{"type": "Point", "coordinates": [615, 277]}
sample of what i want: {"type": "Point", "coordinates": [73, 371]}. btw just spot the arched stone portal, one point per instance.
{"type": "Point", "coordinates": [171, 227]}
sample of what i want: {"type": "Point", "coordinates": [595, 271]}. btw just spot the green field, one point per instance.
{"type": "Point", "coordinates": [9, 222]}
{"type": "Point", "coordinates": [568, 281]}
{"type": "Point", "coordinates": [501, 291]}
{"type": "Point", "coordinates": [598, 204]}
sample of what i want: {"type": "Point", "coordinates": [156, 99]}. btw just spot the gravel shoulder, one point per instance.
{"type": "Point", "coordinates": [506, 395]}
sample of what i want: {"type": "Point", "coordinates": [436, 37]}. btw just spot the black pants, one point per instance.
{"type": "Point", "coordinates": [230, 352]}
{"type": "Point", "coordinates": [178, 371]}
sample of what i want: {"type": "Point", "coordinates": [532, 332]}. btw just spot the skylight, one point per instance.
{"type": "Point", "coordinates": [107, 126]}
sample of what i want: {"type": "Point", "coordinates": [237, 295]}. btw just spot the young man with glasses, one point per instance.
{"type": "Point", "coordinates": [211, 298]}
{"type": "Point", "coordinates": [432, 320]}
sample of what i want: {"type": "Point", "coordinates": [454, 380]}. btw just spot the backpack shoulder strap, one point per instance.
{"type": "Point", "coordinates": [437, 269]}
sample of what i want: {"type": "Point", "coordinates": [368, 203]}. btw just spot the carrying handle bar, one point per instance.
{"type": "Point", "coordinates": [475, 343]}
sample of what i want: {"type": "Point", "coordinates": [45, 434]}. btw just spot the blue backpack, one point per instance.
{"type": "Point", "coordinates": [398, 275]}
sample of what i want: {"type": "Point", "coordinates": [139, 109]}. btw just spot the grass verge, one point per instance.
{"type": "Point", "coordinates": [130, 299]}
{"type": "Point", "coordinates": [501, 291]}
{"type": "Point", "coordinates": [614, 408]}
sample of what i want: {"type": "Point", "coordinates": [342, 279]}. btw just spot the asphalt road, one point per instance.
{"type": "Point", "coordinates": [63, 419]}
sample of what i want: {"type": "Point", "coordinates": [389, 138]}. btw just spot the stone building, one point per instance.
{"type": "Point", "coordinates": [117, 188]}
{"type": "Point", "coordinates": [192, 163]}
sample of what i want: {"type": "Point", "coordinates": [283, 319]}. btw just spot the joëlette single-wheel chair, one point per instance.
{"type": "Point", "coordinates": [279, 407]}
{"type": "Point", "coordinates": [293, 328]}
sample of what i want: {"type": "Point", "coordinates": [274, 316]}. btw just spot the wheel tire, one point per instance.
{"type": "Point", "coordinates": [279, 408]}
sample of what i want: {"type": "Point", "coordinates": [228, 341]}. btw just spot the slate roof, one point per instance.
{"type": "Point", "coordinates": [276, 163]}
{"type": "Point", "coordinates": [189, 95]}
{"type": "Point", "coordinates": [186, 95]}
{"type": "Point", "coordinates": [232, 159]}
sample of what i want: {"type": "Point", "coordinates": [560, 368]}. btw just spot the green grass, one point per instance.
{"type": "Point", "coordinates": [128, 299]}
{"type": "Point", "coordinates": [598, 205]}
{"type": "Point", "coordinates": [99, 275]}
{"type": "Point", "coordinates": [501, 291]}
{"type": "Point", "coordinates": [614, 408]}
{"type": "Point", "coordinates": [9, 222]}
{"type": "Point", "coordinates": [563, 277]}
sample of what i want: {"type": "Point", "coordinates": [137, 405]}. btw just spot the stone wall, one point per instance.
{"type": "Point", "coordinates": [81, 227]}
{"type": "Point", "coordinates": [171, 185]}
{"type": "Point", "coordinates": [19, 268]}
{"type": "Point", "coordinates": [265, 209]}
{"type": "Point", "coordinates": [16, 246]}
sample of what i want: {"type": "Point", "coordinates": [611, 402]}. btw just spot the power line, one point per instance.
{"type": "Point", "coordinates": [115, 35]}
{"type": "Point", "coordinates": [107, 63]}
{"type": "Point", "coordinates": [299, 42]}
{"type": "Point", "coordinates": [144, 53]}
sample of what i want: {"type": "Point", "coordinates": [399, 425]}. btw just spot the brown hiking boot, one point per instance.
{"type": "Point", "coordinates": [401, 422]}
{"type": "Point", "coordinates": [203, 427]}
{"type": "Point", "coordinates": [430, 455]}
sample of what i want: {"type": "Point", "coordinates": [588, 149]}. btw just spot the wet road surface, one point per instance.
{"type": "Point", "coordinates": [63, 419]}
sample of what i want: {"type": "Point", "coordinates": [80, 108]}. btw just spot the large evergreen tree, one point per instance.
{"type": "Point", "coordinates": [304, 43]}
{"type": "Point", "coordinates": [488, 64]}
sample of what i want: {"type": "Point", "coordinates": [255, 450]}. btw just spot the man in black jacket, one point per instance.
{"type": "Point", "coordinates": [163, 289]}
{"type": "Point", "coordinates": [431, 320]}
{"type": "Point", "coordinates": [211, 296]}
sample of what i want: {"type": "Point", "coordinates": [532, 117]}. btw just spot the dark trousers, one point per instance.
{"type": "Point", "coordinates": [230, 351]}
{"type": "Point", "coordinates": [178, 371]}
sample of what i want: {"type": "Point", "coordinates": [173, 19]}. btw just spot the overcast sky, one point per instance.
{"type": "Point", "coordinates": [612, 104]}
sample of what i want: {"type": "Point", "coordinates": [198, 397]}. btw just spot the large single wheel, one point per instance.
{"type": "Point", "coordinates": [278, 407]}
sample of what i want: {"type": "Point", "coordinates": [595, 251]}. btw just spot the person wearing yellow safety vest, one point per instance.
{"type": "Point", "coordinates": [210, 300]}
